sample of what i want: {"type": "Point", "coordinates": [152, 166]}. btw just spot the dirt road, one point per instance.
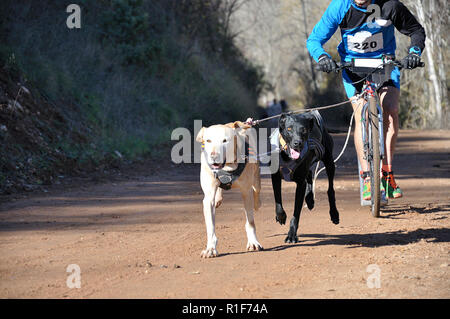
{"type": "Point", "coordinates": [141, 237]}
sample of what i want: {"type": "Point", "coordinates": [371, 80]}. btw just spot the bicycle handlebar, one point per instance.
{"type": "Point", "coordinates": [346, 65]}
{"type": "Point", "coordinates": [397, 63]}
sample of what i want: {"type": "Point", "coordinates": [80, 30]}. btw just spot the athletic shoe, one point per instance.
{"type": "Point", "coordinates": [388, 181]}
{"type": "Point", "coordinates": [366, 186]}
{"type": "Point", "coordinates": [367, 194]}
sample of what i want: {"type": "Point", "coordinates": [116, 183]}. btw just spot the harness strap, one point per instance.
{"type": "Point", "coordinates": [226, 178]}
{"type": "Point", "coordinates": [318, 148]}
{"type": "Point", "coordinates": [283, 143]}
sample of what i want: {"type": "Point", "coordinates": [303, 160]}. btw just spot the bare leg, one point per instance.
{"type": "Point", "coordinates": [357, 107]}
{"type": "Point", "coordinates": [389, 98]}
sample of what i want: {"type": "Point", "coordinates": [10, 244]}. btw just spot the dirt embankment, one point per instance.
{"type": "Point", "coordinates": [42, 144]}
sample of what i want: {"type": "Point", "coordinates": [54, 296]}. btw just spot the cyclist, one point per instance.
{"type": "Point", "coordinates": [366, 35]}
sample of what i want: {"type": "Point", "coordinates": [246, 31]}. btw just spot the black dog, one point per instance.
{"type": "Point", "coordinates": [303, 141]}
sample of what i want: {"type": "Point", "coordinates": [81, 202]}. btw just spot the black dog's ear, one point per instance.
{"type": "Point", "coordinates": [282, 120]}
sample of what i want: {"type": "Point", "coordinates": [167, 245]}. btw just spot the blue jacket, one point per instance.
{"type": "Point", "coordinates": [362, 35]}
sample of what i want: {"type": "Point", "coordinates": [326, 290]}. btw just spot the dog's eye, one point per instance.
{"type": "Point", "coordinates": [289, 129]}
{"type": "Point", "coordinates": [208, 141]}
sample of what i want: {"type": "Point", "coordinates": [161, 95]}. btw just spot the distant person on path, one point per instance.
{"type": "Point", "coordinates": [273, 110]}
{"type": "Point", "coordinates": [283, 105]}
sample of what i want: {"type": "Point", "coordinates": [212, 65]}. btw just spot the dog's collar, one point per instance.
{"type": "Point", "coordinates": [226, 178]}
{"type": "Point", "coordinates": [283, 144]}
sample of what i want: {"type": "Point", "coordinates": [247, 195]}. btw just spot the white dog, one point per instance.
{"type": "Point", "coordinates": [223, 166]}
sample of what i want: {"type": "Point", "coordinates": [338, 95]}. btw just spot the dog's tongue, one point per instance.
{"type": "Point", "coordinates": [294, 154]}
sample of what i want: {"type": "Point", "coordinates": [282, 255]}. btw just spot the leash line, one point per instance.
{"type": "Point", "coordinates": [317, 171]}
{"type": "Point", "coordinates": [302, 111]}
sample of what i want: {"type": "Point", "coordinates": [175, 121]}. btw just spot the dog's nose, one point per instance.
{"type": "Point", "coordinates": [213, 155]}
{"type": "Point", "coordinates": [296, 144]}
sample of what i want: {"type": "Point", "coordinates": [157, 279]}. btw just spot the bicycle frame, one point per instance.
{"type": "Point", "coordinates": [369, 90]}
{"type": "Point", "coordinates": [373, 71]}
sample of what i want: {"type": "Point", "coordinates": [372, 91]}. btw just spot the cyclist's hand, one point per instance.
{"type": "Point", "coordinates": [327, 64]}
{"type": "Point", "coordinates": [411, 61]}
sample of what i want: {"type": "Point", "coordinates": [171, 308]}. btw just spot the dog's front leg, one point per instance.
{"type": "Point", "coordinates": [330, 169]}
{"type": "Point", "coordinates": [219, 197]}
{"type": "Point", "coordinates": [299, 198]}
{"type": "Point", "coordinates": [209, 212]}
{"type": "Point", "coordinates": [309, 198]}
{"type": "Point", "coordinates": [280, 216]}
{"type": "Point", "coordinates": [250, 228]}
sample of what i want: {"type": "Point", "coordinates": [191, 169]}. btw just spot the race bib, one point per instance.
{"type": "Point", "coordinates": [364, 41]}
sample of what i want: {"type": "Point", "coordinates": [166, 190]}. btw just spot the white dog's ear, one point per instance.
{"type": "Point", "coordinates": [200, 135]}
{"type": "Point", "coordinates": [241, 129]}
{"type": "Point", "coordinates": [239, 124]}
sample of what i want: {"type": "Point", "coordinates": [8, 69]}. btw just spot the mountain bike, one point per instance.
{"type": "Point", "coordinates": [374, 73]}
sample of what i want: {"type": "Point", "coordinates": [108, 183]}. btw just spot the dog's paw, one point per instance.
{"type": "Point", "coordinates": [334, 215]}
{"type": "Point", "coordinates": [291, 238]}
{"type": "Point", "coordinates": [309, 199]}
{"type": "Point", "coordinates": [292, 234]}
{"type": "Point", "coordinates": [254, 246]}
{"type": "Point", "coordinates": [280, 216]}
{"type": "Point", "coordinates": [209, 253]}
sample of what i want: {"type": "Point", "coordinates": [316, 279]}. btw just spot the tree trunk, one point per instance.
{"type": "Point", "coordinates": [430, 42]}
{"type": "Point", "coordinates": [305, 24]}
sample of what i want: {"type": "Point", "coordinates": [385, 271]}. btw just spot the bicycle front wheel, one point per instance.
{"type": "Point", "coordinates": [374, 156]}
